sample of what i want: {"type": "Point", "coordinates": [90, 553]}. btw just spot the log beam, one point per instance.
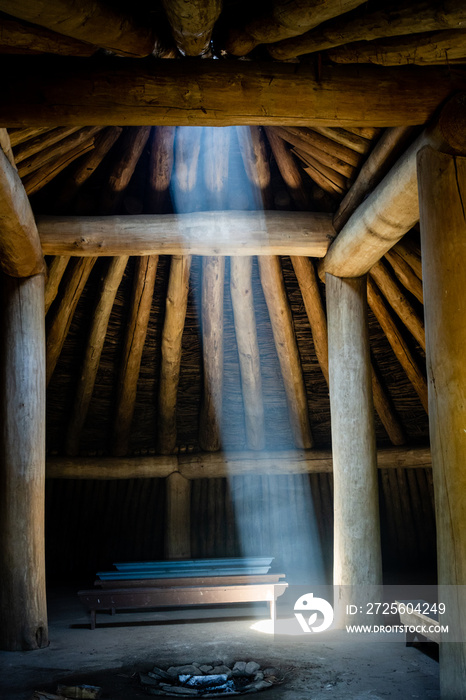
{"type": "Point", "coordinates": [106, 296]}
{"type": "Point", "coordinates": [38, 91]}
{"type": "Point", "coordinates": [54, 276]}
{"type": "Point", "coordinates": [132, 145]}
{"type": "Point", "coordinates": [160, 168]}
{"type": "Point", "coordinates": [213, 275]}
{"type": "Point", "coordinates": [198, 233]}
{"type": "Point", "coordinates": [172, 335]}
{"type": "Point", "coordinates": [286, 345]}
{"type": "Point", "coordinates": [20, 249]}
{"type": "Point", "coordinates": [90, 21]}
{"type": "Point", "coordinates": [136, 330]}
{"type": "Point", "coordinates": [357, 547]}
{"type": "Point", "coordinates": [442, 193]}
{"type": "Point", "coordinates": [392, 208]}
{"type": "Point", "coordinates": [248, 350]}
{"type": "Point", "coordinates": [289, 170]}
{"type": "Point", "coordinates": [216, 465]}
{"type": "Point", "coordinates": [23, 610]}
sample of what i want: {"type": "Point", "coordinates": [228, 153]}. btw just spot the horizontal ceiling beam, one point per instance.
{"type": "Point", "coordinates": [211, 465]}
{"type": "Point", "coordinates": [43, 91]}
{"type": "Point", "coordinates": [199, 233]}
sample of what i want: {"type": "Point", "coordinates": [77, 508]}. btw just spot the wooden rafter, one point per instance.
{"type": "Point", "coordinates": [90, 21]}
{"type": "Point", "coordinates": [131, 144]}
{"type": "Point", "coordinates": [54, 276]}
{"type": "Point", "coordinates": [248, 350]}
{"type": "Point", "coordinates": [192, 23]}
{"type": "Point", "coordinates": [286, 345]}
{"type": "Point", "coordinates": [135, 336]}
{"type": "Point", "coordinates": [95, 342]}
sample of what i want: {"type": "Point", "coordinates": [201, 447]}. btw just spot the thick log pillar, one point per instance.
{"type": "Point", "coordinates": [178, 517]}
{"type": "Point", "coordinates": [442, 193]}
{"type": "Point", "coordinates": [357, 550]}
{"type": "Point", "coordinates": [23, 612]}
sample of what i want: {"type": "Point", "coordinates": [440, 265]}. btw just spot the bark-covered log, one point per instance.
{"type": "Point", "coordinates": [16, 37]}
{"type": "Point", "coordinates": [398, 20]}
{"type": "Point", "coordinates": [131, 147]}
{"type": "Point", "coordinates": [38, 91]}
{"type": "Point", "coordinates": [90, 20]}
{"type": "Point", "coordinates": [200, 233]}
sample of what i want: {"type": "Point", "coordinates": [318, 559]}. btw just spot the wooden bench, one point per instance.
{"type": "Point", "coordinates": [179, 592]}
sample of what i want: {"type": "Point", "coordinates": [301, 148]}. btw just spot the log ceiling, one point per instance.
{"type": "Point", "coordinates": [185, 313]}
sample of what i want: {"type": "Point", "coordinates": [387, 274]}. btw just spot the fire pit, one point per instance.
{"type": "Point", "coordinates": [210, 680]}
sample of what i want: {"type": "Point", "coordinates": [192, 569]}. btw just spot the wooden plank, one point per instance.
{"type": "Point", "coordinates": [44, 92]}
{"type": "Point", "coordinates": [136, 330]}
{"type": "Point", "coordinates": [23, 608]}
{"type": "Point", "coordinates": [178, 517]}
{"type": "Point", "coordinates": [105, 298]}
{"type": "Point", "coordinates": [212, 465]}
{"type": "Point", "coordinates": [89, 21]}
{"type": "Point", "coordinates": [287, 348]}
{"type": "Point", "coordinates": [20, 249]}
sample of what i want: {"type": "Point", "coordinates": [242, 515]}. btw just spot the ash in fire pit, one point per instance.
{"type": "Point", "coordinates": [210, 680]}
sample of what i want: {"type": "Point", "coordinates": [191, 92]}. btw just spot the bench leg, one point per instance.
{"type": "Point", "coordinates": [273, 609]}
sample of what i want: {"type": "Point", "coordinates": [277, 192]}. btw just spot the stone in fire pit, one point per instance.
{"type": "Point", "coordinates": [210, 680]}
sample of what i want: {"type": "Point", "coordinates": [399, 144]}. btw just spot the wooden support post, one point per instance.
{"type": "Point", "coordinates": [286, 345]}
{"type": "Point", "coordinates": [136, 330]}
{"type": "Point", "coordinates": [192, 23]}
{"type": "Point", "coordinates": [248, 350]}
{"type": "Point", "coordinates": [357, 552]}
{"type": "Point", "coordinates": [178, 517]}
{"type": "Point", "coordinates": [23, 613]}
{"type": "Point", "coordinates": [213, 274]}
{"type": "Point", "coordinates": [442, 193]}
{"type": "Point", "coordinates": [172, 335]}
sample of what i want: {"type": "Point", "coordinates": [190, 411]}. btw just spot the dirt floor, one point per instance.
{"type": "Point", "coordinates": [121, 645]}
